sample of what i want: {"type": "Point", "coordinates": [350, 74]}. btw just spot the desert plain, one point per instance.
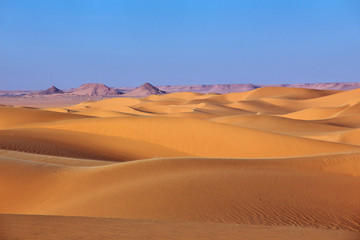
{"type": "Point", "coordinates": [270, 163]}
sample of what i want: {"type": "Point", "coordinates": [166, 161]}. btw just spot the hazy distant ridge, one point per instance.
{"type": "Point", "coordinates": [101, 90]}
{"type": "Point", "coordinates": [227, 88]}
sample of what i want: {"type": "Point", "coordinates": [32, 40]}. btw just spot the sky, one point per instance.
{"type": "Point", "coordinates": [124, 43]}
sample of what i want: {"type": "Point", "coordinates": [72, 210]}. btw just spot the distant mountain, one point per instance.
{"type": "Point", "coordinates": [51, 90]}
{"type": "Point", "coordinates": [144, 90]}
{"type": "Point", "coordinates": [95, 89]}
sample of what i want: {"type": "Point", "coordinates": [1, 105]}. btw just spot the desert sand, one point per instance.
{"type": "Point", "coordinates": [270, 163]}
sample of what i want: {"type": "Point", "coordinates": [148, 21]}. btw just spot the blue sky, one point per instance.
{"type": "Point", "coordinates": [177, 42]}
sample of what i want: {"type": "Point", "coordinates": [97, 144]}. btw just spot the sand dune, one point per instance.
{"type": "Point", "coordinates": [82, 145]}
{"type": "Point", "coordinates": [351, 121]}
{"type": "Point", "coordinates": [212, 139]}
{"type": "Point", "coordinates": [315, 113]}
{"type": "Point", "coordinates": [315, 191]}
{"type": "Point", "coordinates": [337, 99]}
{"type": "Point", "coordinates": [12, 117]}
{"type": "Point", "coordinates": [59, 227]}
{"type": "Point", "coordinates": [268, 157]}
{"type": "Point", "coordinates": [290, 93]}
{"type": "Point", "coordinates": [278, 124]}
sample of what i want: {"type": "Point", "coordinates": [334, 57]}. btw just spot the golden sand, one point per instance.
{"type": "Point", "coordinates": [268, 157]}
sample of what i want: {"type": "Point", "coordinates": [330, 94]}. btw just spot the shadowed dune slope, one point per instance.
{"type": "Point", "coordinates": [351, 121]}
{"type": "Point", "coordinates": [337, 99]}
{"type": "Point", "coordinates": [41, 158]}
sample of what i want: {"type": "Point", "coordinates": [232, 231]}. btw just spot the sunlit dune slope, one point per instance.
{"type": "Point", "coordinates": [315, 113]}
{"type": "Point", "coordinates": [290, 93]}
{"type": "Point", "coordinates": [270, 156]}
